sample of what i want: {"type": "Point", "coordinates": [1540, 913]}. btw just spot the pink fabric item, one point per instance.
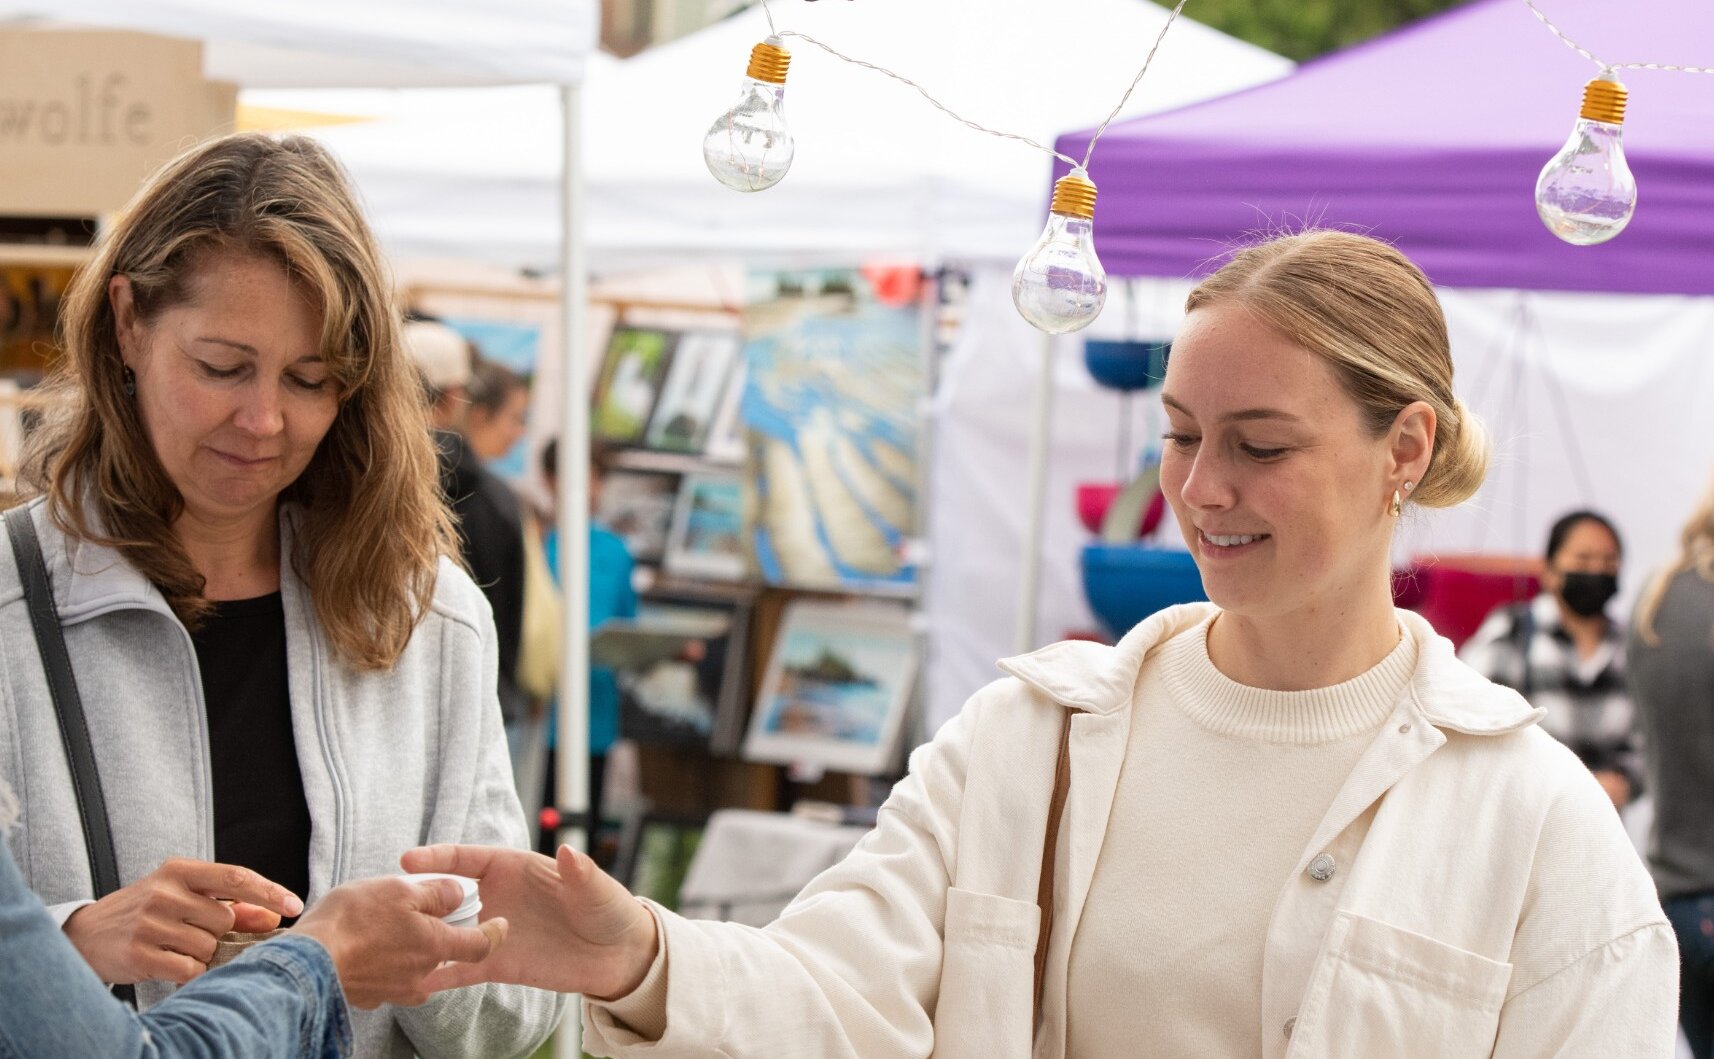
{"type": "Point", "coordinates": [1094, 498]}
{"type": "Point", "coordinates": [1456, 599]}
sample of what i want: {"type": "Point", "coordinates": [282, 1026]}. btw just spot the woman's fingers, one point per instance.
{"type": "Point", "coordinates": [234, 883]}
{"type": "Point", "coordinates": [455, 976]}
{"type": "Point", "coordinates": [185, 940]}
{"type": "Point", "coordinates": [469, 945]}
{"type": "Point", "coordinates": [169, 966]}
{"type": "Point", "coordinates": [436, 897]}
{"type": "Point", "coordinates": [252, 919]}
{"type": "Point", "coordinates": [470, 861]}
{"type": "Point", "coordinates": [203, 913]}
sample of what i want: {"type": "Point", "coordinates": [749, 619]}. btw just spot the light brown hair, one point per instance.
{"type": "Point", "coordinates": [371, 523]}
{"type": "Point", "coordinates": [492, 384]}
{"type": "Point", "coordinates": [1373, 315]}
{"type": "Point", "coordinates": [1695, 552]}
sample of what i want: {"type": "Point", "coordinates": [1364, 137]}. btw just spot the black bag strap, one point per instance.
{"type": "Point", "coordinates": [68, 707]}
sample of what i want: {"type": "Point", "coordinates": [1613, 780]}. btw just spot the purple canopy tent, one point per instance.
{"type": "Point", "coordinates": [1432, 137]}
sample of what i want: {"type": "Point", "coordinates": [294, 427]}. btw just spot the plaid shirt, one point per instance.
{"type": "Point", "coordinates": [1587, 701]}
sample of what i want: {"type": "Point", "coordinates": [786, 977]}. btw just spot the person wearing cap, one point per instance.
{"type": "Point", "coordinates": [283, 667]}
{"type": "Point", "coordinates": [489, 521]}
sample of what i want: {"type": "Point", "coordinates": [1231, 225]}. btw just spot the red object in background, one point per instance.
{"type": "Point", "coordinates": [1094, 498]}
{"type": "Point", "coordinates": [1090, 635]}
{"type": "Point", "coordinates": [1457, 594]}
{"type": "Point", "coordinates": [549, 820]}
{"type": "Point", "coordinates": [893, 285]}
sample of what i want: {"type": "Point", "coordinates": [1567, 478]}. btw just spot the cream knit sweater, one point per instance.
{"type": "Point", "coordinates": [1221, 789]}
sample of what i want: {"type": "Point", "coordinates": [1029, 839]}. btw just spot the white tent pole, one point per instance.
{"type": "Point", "coordinates": [573, 742]}
{"type": "Point", "coordinates": [1029, 582]}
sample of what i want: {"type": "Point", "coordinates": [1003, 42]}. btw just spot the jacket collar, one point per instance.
{"type": "Point", "coordinates": [1102, 679]}
{"type": "Point", "coordinates": [90, 579]}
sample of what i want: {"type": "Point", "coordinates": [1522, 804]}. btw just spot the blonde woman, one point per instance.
{"type": "Point", "coordinates": [238, 510]}
{"type": "Point", "coordinates": [1285, 823]}
{"type": "Point", "coordinates": [1672, 652]}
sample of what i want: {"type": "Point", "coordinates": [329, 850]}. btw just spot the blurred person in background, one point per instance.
{"type": "Point", "coordinates": [611, 595]}
{"type": "Point", "coordinates": [498, 413]}
{"type": "Point", "coordinates": [1672, 679]}
{"type": "Point", "coordinates": [1563, 653]}
{"type": "Point", "coordinates": [497, 419]}
{"type": "Point", "coordinates": [487, 515]}
{"type": "Point", "coordinates": [283, 667]}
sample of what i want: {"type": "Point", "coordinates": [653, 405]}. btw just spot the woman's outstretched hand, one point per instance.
{"type": "Point", "coordinates": [574, 929]}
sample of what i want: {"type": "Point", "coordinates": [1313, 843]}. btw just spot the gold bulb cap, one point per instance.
{"type": "Point", "coordinates": [1074, 196]}
{"type": "Point", "coordinates": [1604, 100]}
{"type": "Point", "coordinates": [768, 62]}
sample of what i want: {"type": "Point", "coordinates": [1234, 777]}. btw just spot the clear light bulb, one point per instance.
{"type": "Point", "coordinates": [1586, 194]}
{"type": "Point", "coordinates": [1060, 286]}
{"type": "Point", "coordinates": [749, 148]}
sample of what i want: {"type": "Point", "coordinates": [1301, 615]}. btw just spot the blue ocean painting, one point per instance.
{"type": "Point", "coordinates": [836, 687]}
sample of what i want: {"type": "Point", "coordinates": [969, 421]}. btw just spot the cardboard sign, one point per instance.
{"type": "Point", "coordinates": [85, 116]}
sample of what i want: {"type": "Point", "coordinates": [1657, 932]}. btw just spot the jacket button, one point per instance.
{"type": "Point", "coordinates": [1290, 1024]}
{"type": "Point", "coordinates": [1322, 867]}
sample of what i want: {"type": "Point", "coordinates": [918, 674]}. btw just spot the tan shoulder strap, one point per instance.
{"type": "Point", "coordinates": [1050, 846]}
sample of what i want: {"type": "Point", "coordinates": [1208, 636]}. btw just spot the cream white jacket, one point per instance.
{"type": "Point", "coordinates": [1469, 893]}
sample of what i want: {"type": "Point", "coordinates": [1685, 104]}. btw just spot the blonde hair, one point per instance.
{"type": "Point", "coordinates": [1372, 314]}
{"type": "Point", "coordinates": [1695, 552]}
{"type": "Point", "coordinates": [372, 524]}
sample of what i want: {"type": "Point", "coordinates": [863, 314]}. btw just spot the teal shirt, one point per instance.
{"type": "Point", "coordinates": [610, 596]}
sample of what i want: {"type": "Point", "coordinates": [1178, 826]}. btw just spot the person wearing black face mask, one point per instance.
{"type": "Point", "coordinates": [1566, 656]}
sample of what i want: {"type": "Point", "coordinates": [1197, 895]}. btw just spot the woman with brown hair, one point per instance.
{"type": "Point", "coordinates": [1286, 823]}
{"type": "Point", "coordinates": [235, 496]}
{"type": "Point", "coordinates": [1672, 683]}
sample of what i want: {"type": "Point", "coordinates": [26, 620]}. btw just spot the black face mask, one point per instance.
{"type": "Point", "coordinates": [1587, 594]}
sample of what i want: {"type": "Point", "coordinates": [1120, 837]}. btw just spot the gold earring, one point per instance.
{"type": "Point", "coordinates": [1398, 504]}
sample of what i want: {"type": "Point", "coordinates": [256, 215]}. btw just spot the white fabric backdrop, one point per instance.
{"type": "Point", "coordinates": [352, 43]}
{"type": "Point", "coordinates": [1626, 380]}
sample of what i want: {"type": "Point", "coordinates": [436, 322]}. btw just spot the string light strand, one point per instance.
{"type": "Point", "coordinates": [1587, 54]}
{"type": "Point", "coordinates": [938, 105]}
{"type": "Point", "coordinates": [954, 115]}
{"type": "Point", "coordinates": [1090, 153]}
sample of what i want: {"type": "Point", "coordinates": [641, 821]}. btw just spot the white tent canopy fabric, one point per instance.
{"type": "Point", "coordinates": [342, 43]}
{"type": "Point", "coordinates": [877, 170]}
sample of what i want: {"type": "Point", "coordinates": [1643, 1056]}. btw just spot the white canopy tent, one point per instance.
{"type": "Point", "coordinates": [338, 43]}
{"type": "Point", "coordinates": [877, 170]}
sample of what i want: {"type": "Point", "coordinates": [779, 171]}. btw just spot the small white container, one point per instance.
{"type": "Point", "coordinates": [468, 909]}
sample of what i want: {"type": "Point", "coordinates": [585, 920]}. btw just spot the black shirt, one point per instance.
{"type": "Point", "coordinates": [261, 820]}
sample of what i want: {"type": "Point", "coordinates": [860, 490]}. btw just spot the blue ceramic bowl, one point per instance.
{"type": "Point", "coordinates": [1126, 583]}
{"type": "Point", "coordinates": [1126, 365]}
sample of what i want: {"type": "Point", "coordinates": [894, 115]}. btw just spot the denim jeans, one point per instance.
{"type": "Point", "coordinates": [1693, 921]}
{"type": "Point", "coordinates": [279, 999]}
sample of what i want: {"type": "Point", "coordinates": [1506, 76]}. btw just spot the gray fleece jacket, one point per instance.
{"type": "Point", "coordinates": [390, 760]}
